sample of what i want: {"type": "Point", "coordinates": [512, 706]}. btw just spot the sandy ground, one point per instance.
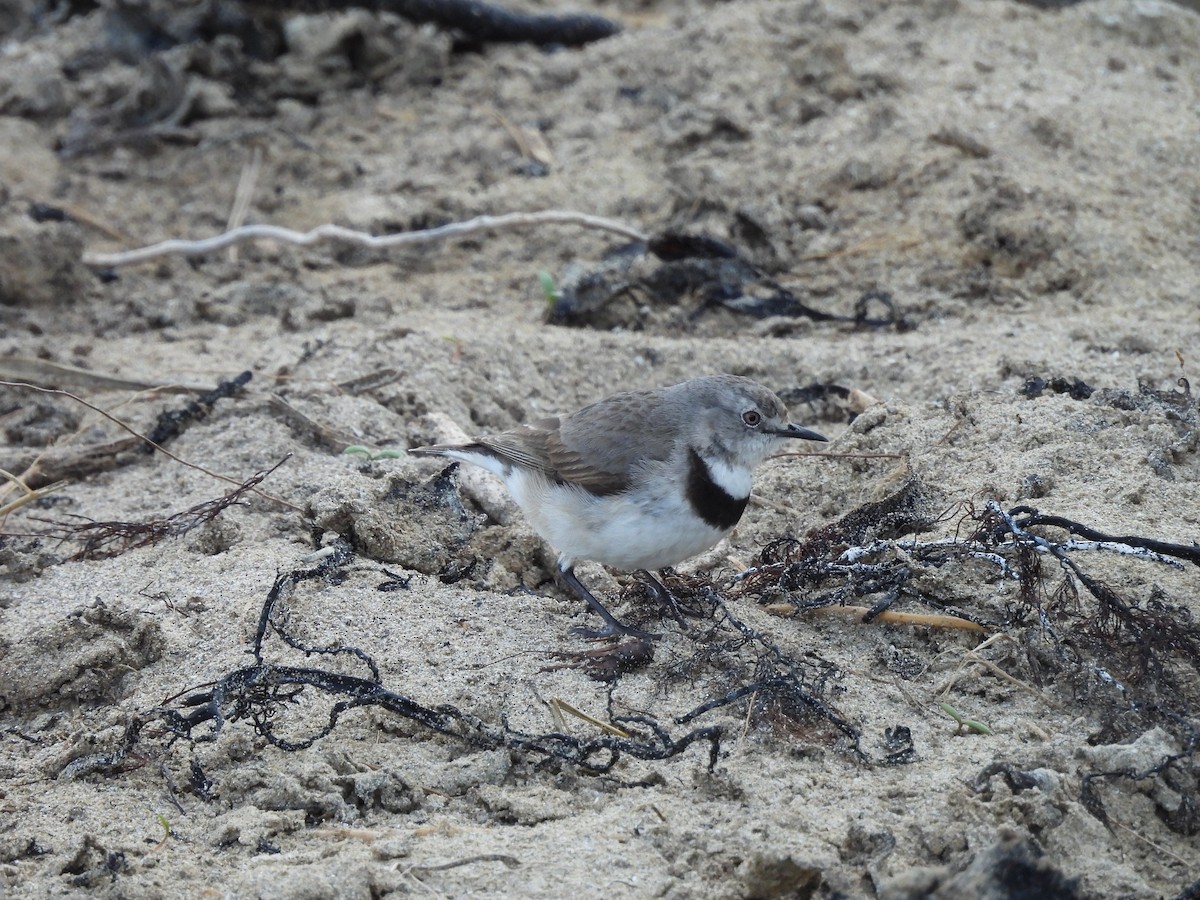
{"type": "Point", "coordinates": [1021, 182]}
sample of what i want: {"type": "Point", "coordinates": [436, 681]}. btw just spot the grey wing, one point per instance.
{"type": "Point", "coordinates": [539, 445]}
{"type": "Point", "coordinates": [602, 446]}
{"type": "Point", "coordinates": [509, 447]}
{"type": "Point", "coordinates": [524, 446]}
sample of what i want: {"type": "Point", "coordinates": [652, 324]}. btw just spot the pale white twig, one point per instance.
{"type": "Point", "coordinates": [359, 238]}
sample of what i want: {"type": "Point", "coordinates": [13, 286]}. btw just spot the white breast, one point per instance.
{"type": "Point", "coordinates": [648, 528]}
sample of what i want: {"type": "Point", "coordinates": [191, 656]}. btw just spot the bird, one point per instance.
{"type": "Point", "coordinates": [640, 480]}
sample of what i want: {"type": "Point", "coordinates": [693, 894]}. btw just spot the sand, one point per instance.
{"type": "Point", "coordinates": [1021, 182]}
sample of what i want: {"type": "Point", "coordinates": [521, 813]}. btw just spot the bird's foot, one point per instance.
{"type": "Point", "coordinates": [612, 630]}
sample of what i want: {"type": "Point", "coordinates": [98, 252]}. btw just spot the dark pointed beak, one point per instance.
{"type": "Point", "coordinates": [795, 431]}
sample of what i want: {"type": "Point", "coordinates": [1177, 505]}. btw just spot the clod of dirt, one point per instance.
{"type": "Point", "coordinates": [41, 262]}
{"type": "Point", "coordinates": [1157, 767]}
{"type": "Point", "coordinates": [378, 790]}
{"type": "Point", "coordinates": [1016, 231]}
{"type": "Point", "coordinates": [89, 657]}
{"type": "Point", "coordinates": [773, 876]}
{"type": "Point", "coordinates": [250, 827]}
{"type": "Point", "coordinates": [1147, 752]}
{"type": "Point", "coordinates": [21, 560]}
{"type": "Point", "coordinates": [93, 865]}
{"type": "Point", "coordinates": [312, 790]}
{"type": "Point", "coordinates": [1012, 867]}
{"type": "Point", "coordinates": [34, 421]}
{"type": "Point", "coordinates": [294, 305]}
{"type": "Point", "coordinates": [214, 536]}
{"type": "Point", "coordinates": [518, 557]}
{"type": "Point", "coordinates": [326, 52]}
{"type": "Point", "coordinates": [419, 525]}
{"type": "Point", "coordinates": [676, 277]}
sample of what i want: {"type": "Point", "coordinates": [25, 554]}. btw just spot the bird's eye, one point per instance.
{"type": "Point", "coordinates": [752, 418]}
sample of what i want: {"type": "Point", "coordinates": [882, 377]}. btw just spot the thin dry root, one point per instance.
{"type": "Point", "coordinates": [888, 616]}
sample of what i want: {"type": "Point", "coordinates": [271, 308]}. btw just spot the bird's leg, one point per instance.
{"type": "Point", "coordinates": [659, 592]}
{"type": "Point", "coordinates": [613, 628]}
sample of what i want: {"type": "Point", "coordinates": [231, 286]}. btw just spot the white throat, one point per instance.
{"type": "Point", "coordinates": [735, 481]}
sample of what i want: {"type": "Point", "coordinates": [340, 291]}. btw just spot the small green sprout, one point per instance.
{"type": "Point", "coordinates": [360, 450]}
{"type": "Point", "coordinates": [546, 280]}
{"type": "Point", "coordinates": [166, 827]}
{"type": "Point", "coordinates": [964, 722]}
